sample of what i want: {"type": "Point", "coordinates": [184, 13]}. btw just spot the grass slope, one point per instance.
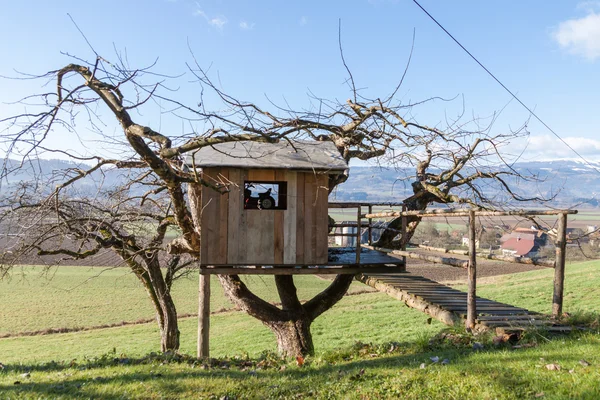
{"type": "Point", "coordinates": [533, 289]}
{"type": "Point", "coordinates": [360, 372]}
{"type": "Point", "coordinates": [70, 297]}
{"type": "Point", "coordinates": [367, 317]}
{"type": "Point", "coordinates": [403, 369]}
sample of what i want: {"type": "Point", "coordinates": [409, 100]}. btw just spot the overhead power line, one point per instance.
{"type": "Point", "coordinates": [506, 88]}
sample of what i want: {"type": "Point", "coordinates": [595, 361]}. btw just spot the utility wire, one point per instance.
{"type": "Point", "coordinates": [505, 88]}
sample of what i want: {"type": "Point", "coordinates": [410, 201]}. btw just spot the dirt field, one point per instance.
{"type": "Point", "coordinates": [448, 274]}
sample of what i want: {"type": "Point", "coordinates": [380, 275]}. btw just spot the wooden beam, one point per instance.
{"type": "Point", "coordinates": [559, 268]}
{"type": "Point", "coordinates": [454, 262]}
{"type": "Point", "coordinates": [358, 234]}
{"type": "Point", "coordinates": [519, 260]}
{"type": "Point", "coordinates": [472, 275]}
{"type": "Point", "coordinates": [370, 223]}
{"type": "Point", "coordinates": [404, 228]}
{"type": "Point", "coordinates": [343, 270]}
{"type": "Point", "coordinates": [203, 314]}
{"type": "Point", "coordinates": [450, 212]}
{"type": "Point", "coordinates": [354, 204]}
{"type": "Point", "coordinates": [445, 316]}
{"type": "Point", "coordinates": [497, 257]}
{"type": "Point", "coordinates": [345, 225]}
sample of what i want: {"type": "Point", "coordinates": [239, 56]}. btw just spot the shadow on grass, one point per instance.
{"type": "Point", "coordinates": [362, 365]}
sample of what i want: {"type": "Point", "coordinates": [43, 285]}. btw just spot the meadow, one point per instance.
{"type": "Point", "coordinates": [368, 346]}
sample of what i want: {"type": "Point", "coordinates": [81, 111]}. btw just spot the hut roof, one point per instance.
{"type": "Point", "coordinates": [298, 155]}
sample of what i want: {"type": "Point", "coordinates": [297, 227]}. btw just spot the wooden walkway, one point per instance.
{"type": "Point", "coordinates": [450, 305]}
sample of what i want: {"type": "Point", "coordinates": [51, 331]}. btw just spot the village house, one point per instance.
{"type": "Point", "coordinates": [523, 242]}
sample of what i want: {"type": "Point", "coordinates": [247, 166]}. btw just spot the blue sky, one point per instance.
{"type": "Point", "coordinates": [548, 52]}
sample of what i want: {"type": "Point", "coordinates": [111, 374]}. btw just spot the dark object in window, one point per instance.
{"type": "Point", "coordinates": [264, 195]}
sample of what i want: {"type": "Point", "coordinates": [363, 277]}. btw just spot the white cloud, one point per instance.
{"type": "Point", "coordinates": [581, 36]}
{"type": "Point", "coordinates": [303, 21]}
{"type": "Point", "coordinates": [217, 21]}
{"type": "Point", "coordinates": [246, 26]}
{"type": "Point", "coordinates": [548, 147]}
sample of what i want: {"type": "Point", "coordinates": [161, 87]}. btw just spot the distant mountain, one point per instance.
{"type": "Point", "coordinates": [48, 173]}
{"type": "Point", "coordinates": [571, 182]}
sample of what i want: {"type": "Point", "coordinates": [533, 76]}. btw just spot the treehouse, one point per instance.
{"type": "Point", "coordinates": [275, 210]}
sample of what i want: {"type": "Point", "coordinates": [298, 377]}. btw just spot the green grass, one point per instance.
{"type": "Point", "coordinates": [111, 363]}
{"type": "Point", "coordinates": [533, 289]}
{"type": "Point", "coordinates": [72, 297]}
{"type": "Point", "coordinates": [367, 317]}
{"type": "Point", "coordinates": [357, 372]}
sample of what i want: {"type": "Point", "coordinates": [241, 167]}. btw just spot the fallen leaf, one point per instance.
{"type": "Point", "coordinates": [300, 361]}
{"type": "Point", "coordinates": [540, 394]}
{"type": "Point", "coordinates": [553, 367]}
{"type": "Point", "coordinates": [584, 363]}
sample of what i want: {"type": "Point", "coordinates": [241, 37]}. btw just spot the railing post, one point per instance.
{"type": "Point", "coordinates": [559, 266]}
{"type": "Point", "coordinates": [203, 315]}
{"type": "Point", "coordinates": [404, 227]}
{"type": "Point", "coordinates": [370, 226]}
{"type": "Point", "coordinates": [358, 234]}
{"type": "Point", "coordinates": [472, 275]}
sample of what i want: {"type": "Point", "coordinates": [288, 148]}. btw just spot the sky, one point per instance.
{"type": "Point", "coordinates": [547, 52]}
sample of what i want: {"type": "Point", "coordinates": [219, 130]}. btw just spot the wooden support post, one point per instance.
{"type": "Point", "coordinates": [370, 226]}
{"type": "Point", "coordinates": [358, 234]}
{"type": "Point", "coordinates": [404, 228]}
{"type": "Point", "coordinates": [559, 267]}
{"type": "Point", "coordinates": [472, 275]}
{"type": "Point", "coordinates": [203, 315]}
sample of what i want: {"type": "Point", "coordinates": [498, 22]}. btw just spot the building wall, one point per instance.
{"type": "Point", "coordinates": [231, 235]}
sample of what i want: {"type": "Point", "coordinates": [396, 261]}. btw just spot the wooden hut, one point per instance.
{"type": "Point", "coordinates": [275, 212]}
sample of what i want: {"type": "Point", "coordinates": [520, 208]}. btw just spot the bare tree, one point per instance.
{"type": "Point", "coordinates": [67, 223]}
{"type": "Point", "coordinates": [450, 163]}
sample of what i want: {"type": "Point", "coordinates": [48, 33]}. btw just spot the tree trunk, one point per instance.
{"type": "Point", "coordinates": [150, 275]}
{"type": "Point", "coordinates": [291, 323]}
{"type": "Point", "coordinates": [293, 337]}
{"type": "Point", "coordinates": [417, 202]}
{"type": "Point", "coordinates": [169, 327]}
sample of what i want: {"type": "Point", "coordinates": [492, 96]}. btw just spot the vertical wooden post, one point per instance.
{"type": "Point", "coordinates": [358, 232]}
{"type": "Point", "coordinates": [472, 275]}
{"type": "Point", "coordinates": [203, 315]}
{"type": "Point", "coordinates": [404, 227]}
{"type": "Point", "coordinates": [370, 226]}
{"type": "Point", "coordinates": [559, 266]}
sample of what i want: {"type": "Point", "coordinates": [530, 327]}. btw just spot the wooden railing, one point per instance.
{"type": "Point", "coordinates": [471, 264]}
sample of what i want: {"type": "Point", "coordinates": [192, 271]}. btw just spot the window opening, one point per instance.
{"type": "Point", "coordinates": [264, 195]}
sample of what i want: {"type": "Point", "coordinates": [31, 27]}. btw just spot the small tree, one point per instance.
{"type": "Point", "coordinates": [63, 222]}
{"type": "Point", "coordinates": [449, 163]}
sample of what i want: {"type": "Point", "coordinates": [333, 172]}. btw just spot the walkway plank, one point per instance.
{"type": "Point", "coordinates": [450, 305]}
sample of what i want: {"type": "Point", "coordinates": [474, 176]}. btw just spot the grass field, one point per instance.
{"type": "Point", "coordinates": [358, 372]}
{"type": "Point", "coordinates": [70, 297]}
{"type": "Point", "coordinates": [111, 363]}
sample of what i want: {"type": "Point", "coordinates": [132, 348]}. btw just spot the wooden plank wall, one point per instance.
{"type": "Point", "coordinates": [295, 236]}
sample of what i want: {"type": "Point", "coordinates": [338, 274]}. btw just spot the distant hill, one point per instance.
{"type": "Point", "coordinates": [572, 182]}
{"type": "Point", "coordinates": [49, 172]}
